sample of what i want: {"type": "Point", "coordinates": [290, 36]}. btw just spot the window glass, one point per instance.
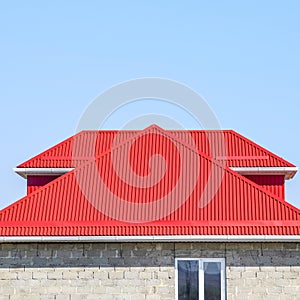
{"type": "Point", "coordinates": [188, 280]}
{"type": "Point", "coordinates": [212, 280]}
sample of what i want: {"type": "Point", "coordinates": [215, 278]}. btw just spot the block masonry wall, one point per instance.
{"type": "Point", "coordinates": [137, 271]}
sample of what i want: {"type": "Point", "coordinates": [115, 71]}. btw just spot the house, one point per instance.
{"type": "Point", "coordinates": [152, 214]}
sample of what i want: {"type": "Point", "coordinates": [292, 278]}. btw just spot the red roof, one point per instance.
{"type": "Point", "coordinates": [238, 152]}
{"type": "Point", "coordinates": [167, 194]}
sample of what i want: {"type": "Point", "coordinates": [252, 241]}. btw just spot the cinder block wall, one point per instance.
{"type": "Point", "coordinates": [142, 270]}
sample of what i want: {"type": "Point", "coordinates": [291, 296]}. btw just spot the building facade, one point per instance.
{"type": "Point", "coordinates": [152, 214]}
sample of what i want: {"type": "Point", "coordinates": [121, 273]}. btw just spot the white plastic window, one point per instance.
{"type": "Point", "coordinates": [200, 279]}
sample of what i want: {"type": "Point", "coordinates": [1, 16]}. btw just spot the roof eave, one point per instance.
{"type": "Point", "coordinates": [151, 238]}
{"type": "Point", "coordinates": [24, 172]}
{"type": "Point", "coordinates": [288, 172]}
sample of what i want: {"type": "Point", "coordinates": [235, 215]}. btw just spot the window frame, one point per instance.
{"type": "Point", "coordinates": [201, 262]}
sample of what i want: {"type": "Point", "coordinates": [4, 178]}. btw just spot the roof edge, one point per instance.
{"type": "Point", "coordinates": [24, 172]}
{"type": "Point", "coordinates": [151, 238]}
{"type": "Point", "coordinates": [288, 172]}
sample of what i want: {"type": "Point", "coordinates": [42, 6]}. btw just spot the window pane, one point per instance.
{"type": "Point", "coordinates": [212, 280]}
{"type": "Point", "coordinates": [188, 279]}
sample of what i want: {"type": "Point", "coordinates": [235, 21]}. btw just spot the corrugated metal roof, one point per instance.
{"type": "Point", "coordinates": [239, 152]}
{"type": "Point", "coordinates": [154, 229]}
{"type": "Point", "coordinates": [150, 196]}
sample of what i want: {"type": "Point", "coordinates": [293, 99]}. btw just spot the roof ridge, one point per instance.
{"type": "Point", "coordinates": [197, 151]}
{"type": "Point", "coordinates": [162, 132]}
{"type": "Point", "coordinates": [260, 188]}
{"type": "Point", "coordinates": [37, 191]}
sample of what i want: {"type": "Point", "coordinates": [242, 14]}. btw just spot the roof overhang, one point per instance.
{"type": "Point", "coordinates": [24, 172]}
{"type": "Point", "coordinates": [288, 172]}
{"type": "Point", "coordinates": [141, 239]}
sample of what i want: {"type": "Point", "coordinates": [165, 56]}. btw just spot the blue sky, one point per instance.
{"type": "Point", "coordinates": [55, 57]}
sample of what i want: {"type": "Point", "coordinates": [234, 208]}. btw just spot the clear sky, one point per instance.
{"type": "Point", "coordinates": [243, 57]}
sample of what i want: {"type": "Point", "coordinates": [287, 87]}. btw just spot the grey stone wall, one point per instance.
{"type": "Point", "coordinates": [140, 271]}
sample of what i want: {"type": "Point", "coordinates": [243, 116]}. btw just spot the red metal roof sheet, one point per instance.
{"type": "Point", "coordinates": [239, 152]}
{"type": "Point", "coordinates": [165, 194]}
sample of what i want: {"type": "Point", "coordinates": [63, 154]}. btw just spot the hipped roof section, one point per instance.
{"type": "Point", "coordinates": [79, 204]}
{"type": "Point", "coordinates": [239, 151]}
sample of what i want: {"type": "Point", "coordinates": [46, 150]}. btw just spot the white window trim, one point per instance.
{"type": "Point", "coordinates": [201, 275]}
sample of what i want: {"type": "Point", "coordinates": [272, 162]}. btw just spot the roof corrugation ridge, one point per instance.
{"type": "Point", "coordinates": [47, 153]}
{"type": "Point", "coordinates": [23, 200]}
{"type": "Point", "coordinates": [61, 178]}
{"type": "Point", "coordinates": [162, 132]}
{"type": "Point", "coordinates": [157, 230]}
{"type": "Point", "coordinates": [219, 164]}
{"type": "Point", "coordinates": [44, 156]}
{"type": "Point", "coordinates": [251, 183]}
{"type": "Point", "coordinates": [257, 146]}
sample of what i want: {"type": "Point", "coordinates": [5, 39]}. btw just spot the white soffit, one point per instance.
{"type": "Point", "coordinates": [289, 172]}
{"type": "Point", "coordinates": [24, 172]}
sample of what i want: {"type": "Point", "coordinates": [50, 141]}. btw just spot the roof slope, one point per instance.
{"type": "Point", "coordinates": [150, 196]}
{"type": "Point", "coordinates": [238, 152]}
